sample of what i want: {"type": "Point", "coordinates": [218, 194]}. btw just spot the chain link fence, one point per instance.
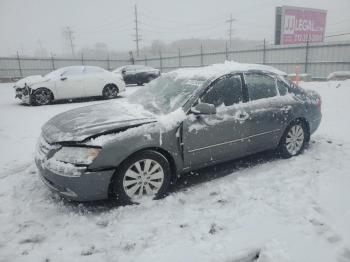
{"type": "Point", "coordinates": [318, 60]}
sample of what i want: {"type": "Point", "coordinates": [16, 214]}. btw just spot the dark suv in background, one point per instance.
{"type": "Point", "coordinates": [137, 74]}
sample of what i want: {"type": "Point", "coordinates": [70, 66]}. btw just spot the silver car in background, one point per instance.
{"type": "Point", "coordinates": [67, 83]}
{"type": "Point", "coordinates": [184, 120]}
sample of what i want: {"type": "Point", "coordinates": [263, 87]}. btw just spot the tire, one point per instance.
{"type": "Point", "coordinates": [293, 140]}
{"type": "Point", "coordinates": [146, 173]}
{"type": "Point", "coordinates": [110, 91]}
{"type": "Point", "coordinates": [41, 96]}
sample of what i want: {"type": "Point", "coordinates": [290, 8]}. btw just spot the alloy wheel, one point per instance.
{"type": "Point", "coordinates": [295, 139]}
{"type": "Point", "coordinates": [42, 97]}
{"type": "Point", "coordinates": [144, 177]}
{"type": "Point", "coordinates": [110, 91]}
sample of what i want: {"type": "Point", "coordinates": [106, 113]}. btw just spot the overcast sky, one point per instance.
{"type": "Point", "coordinates": [27, 24]}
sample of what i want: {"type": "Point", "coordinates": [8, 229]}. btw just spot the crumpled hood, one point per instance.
{"type": "Point", "coordinates": [29, 80]}
{"type": "Point", "coordinates": [82, 123]}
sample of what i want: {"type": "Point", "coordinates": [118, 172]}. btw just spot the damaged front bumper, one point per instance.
{"type": "Point", "coordinates": [88, 186]}
{"type": "Point", "coordinates": [23, 93]}
{"type": "Point", "coordinates": [74, 182]}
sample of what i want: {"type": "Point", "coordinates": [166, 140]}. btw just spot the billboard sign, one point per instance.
{"type": "Point", "coordinates": [299, 25]}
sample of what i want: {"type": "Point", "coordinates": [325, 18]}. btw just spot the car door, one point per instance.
{"type": "Point", "coordinates": [265, 121]}
{"type": "Point", "coordinates": [140, 74]}
{"type": "Point", "coordinates": [129, 75]}
{"type": "Point", "coordinates": [94, 80]}
{"type": "Point", "coordinates": [214, 138]}
{"type": "Point", "coordinates": [71, 83]}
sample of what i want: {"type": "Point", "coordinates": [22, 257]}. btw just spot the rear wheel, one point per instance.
{"type": "Point", "coordinates": [294, 139]}
{"type": "Point", "coordinates": [41, 96]}
{"type": "Point", "coordinates": [110, 91]}
{"type": "Point", "coordinates": [146, 174]}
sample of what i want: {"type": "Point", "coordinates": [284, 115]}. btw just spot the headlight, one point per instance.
{"type": "Point", "coordinates": [77, 155]}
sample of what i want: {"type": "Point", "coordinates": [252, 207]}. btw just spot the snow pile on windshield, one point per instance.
{"type": "Point", "coordinates": [218, 70]}
{"type": "Point", "coordinates": [165, 94]}
{"type": "Point", "coordinates": [169, 121]}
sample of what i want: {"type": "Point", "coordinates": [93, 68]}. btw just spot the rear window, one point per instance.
{"type": "Point", "coordinates": [260, 86]}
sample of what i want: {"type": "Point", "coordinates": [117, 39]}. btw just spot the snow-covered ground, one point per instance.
{"type": "Point", "coordinates": [291, 210]}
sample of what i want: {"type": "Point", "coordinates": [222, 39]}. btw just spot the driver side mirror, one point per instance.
{"type": "Point", "coordinates": [63, 78]}
{"type": "Point", "coordinates": [203, 109]}
{"type": "Point", "coordinates": [123, 71]}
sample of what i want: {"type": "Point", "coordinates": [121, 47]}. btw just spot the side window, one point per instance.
{"type": "Point", "coordinates": [227, 91]}
{"type": "Point", "coordinates": [73, 72]}
{"type": "Point", "coordinates": [260, 86]}
{"type": "Point", "coordinates": [282, 87]}
{"type": "Point", "coordinates": [92, 70]}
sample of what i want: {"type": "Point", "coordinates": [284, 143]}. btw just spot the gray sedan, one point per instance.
{"type": "Point", "coordinates": [184, 120]}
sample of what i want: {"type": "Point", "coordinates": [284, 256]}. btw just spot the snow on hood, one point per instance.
{"type": "Point", "coordinates": [29, 80]}
{"type": "Point", "coordinates": [217, 70]}
{"type": "Point", "coordinates": [164, 123]}
{"type": "Point", "coordinates": [81, 123]}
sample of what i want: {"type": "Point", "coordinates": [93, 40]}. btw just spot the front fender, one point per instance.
{"type": "Point", "coordinates": [48, 85]}
{"type": "Point", "coordinates": [133, 140]}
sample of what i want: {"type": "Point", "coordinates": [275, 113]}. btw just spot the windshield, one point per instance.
{"type": "Point", "coordinates": [53, 74]}
{"type": "Point", "coordinates": [119, 69]}
{"type": "Point", "coordinates": [165, 94]}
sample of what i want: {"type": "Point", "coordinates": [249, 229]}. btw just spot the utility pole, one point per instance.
{"type": "Point", "coordinates": [230, 21]}
{"type": "Point", "coordinates": [68, 34]}
{"type": "Point", "coordinates": [137, 36]}
{"type": "Point", "coordinates": [41, 48]}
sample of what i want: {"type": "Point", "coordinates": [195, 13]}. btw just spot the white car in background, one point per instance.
{"type": "Point", "coordinates": [69, 82]}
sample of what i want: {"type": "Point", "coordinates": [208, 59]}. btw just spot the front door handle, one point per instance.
{"type": "Point", "coordinates": [286, 109]}
{"type": "Point", "coordinates": [241, 115]}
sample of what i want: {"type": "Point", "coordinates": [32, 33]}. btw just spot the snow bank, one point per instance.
{"type": "Point", "coordinates": [339, 75]}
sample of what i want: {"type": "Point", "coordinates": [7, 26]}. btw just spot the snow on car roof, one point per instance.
{"type": "Point", "coordinates": [217, 70]}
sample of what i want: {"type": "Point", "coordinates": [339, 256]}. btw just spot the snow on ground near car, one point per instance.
{"type": "Point", "coordinates": [289, 210]}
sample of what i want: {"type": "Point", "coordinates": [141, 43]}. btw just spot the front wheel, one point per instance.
{"type": "Point", "coordinates": [146, 174]}
{"type": "Point", "coordinates": [294, 139]}
{"type": "Point", "coordinates": [110, 91]}
{"type": "Point", "coordinates": [41, 96]}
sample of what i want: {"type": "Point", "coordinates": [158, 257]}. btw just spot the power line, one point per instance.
{"type": "Point", "coordinates": [156, 29]}
{"type": "Point", "coordinates": [230, 21]}
{"type": "Point", "coordinates": [137, 36]}
{"type": "Point", "coordinates": [200, 23]}
{"type": "Point", "coordinates": [337, 35]}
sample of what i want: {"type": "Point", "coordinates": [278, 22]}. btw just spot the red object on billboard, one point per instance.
{"type": "Point", "coordinates": [300, 25]}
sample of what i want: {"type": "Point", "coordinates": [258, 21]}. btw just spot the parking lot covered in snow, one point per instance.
{"type": "Point", "coordinates": [286, 209]}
